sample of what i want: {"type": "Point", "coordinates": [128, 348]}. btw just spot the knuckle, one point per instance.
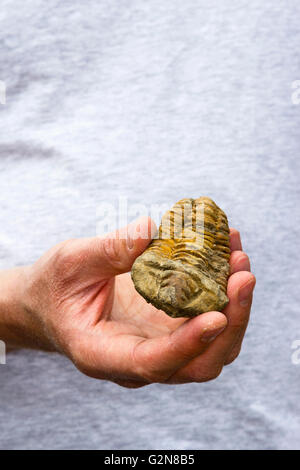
{"type": "Point", "coordinates": [207, 375]}
{"type": "Point", "coordinates": [214, 374]}
{"type": "Point", "coordinates": [237, 254]}
{"type": "Point", "coordinates": [242, 258]}
{"type": "Point", "coordinates": [112, 252]}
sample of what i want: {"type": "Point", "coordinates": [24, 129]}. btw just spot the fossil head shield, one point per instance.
{"type": "Point", "coordinates": [184, 270]}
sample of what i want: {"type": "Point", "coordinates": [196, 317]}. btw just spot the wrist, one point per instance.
{"type": "Point", "coordinates": [19, 325]}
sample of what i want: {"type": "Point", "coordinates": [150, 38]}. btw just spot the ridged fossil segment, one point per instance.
{"type": "Point", "coordinates": [185, 270]}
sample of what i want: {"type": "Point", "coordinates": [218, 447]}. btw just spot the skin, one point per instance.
{"type": "Point", "coordinates": [79, 299]}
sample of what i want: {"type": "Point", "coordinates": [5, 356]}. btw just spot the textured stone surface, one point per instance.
{"type": "Point", "coordinates": [185, 270]}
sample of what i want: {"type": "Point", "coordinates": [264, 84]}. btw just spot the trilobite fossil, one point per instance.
{"type": "Point", "coordinates": [184, 271]}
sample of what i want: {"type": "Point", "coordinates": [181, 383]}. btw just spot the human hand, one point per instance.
{"type": "Point", "coordinates": [82, 302]}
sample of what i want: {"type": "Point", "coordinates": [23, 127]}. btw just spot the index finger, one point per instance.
{"type": "Point", "coordinates": [156, 359]}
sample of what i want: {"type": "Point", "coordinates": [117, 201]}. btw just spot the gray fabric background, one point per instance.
{"type": "Point", "coordinates": [154, 101]}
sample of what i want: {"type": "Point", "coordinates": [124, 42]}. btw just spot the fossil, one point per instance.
{"type": "Point", "coordinates": [184, 271]}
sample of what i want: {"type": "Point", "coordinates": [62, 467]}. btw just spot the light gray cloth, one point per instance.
{"type": "Point", "coordinates": [155, 101]}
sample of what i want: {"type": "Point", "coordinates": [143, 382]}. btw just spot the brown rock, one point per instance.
{"type": "Point", "coordinates": [185, 270]}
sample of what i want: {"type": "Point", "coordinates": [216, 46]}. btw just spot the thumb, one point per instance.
{"type": "Point", "coordinates": [116, 252]}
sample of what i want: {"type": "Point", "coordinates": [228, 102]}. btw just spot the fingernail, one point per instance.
{"type": "Point", "coordinates": [245, 294]}
{"type": "Point", "coordinates": [210, 335]}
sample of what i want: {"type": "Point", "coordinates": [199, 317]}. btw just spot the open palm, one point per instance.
{"type": "Point", "coordinates": [93, 313]}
